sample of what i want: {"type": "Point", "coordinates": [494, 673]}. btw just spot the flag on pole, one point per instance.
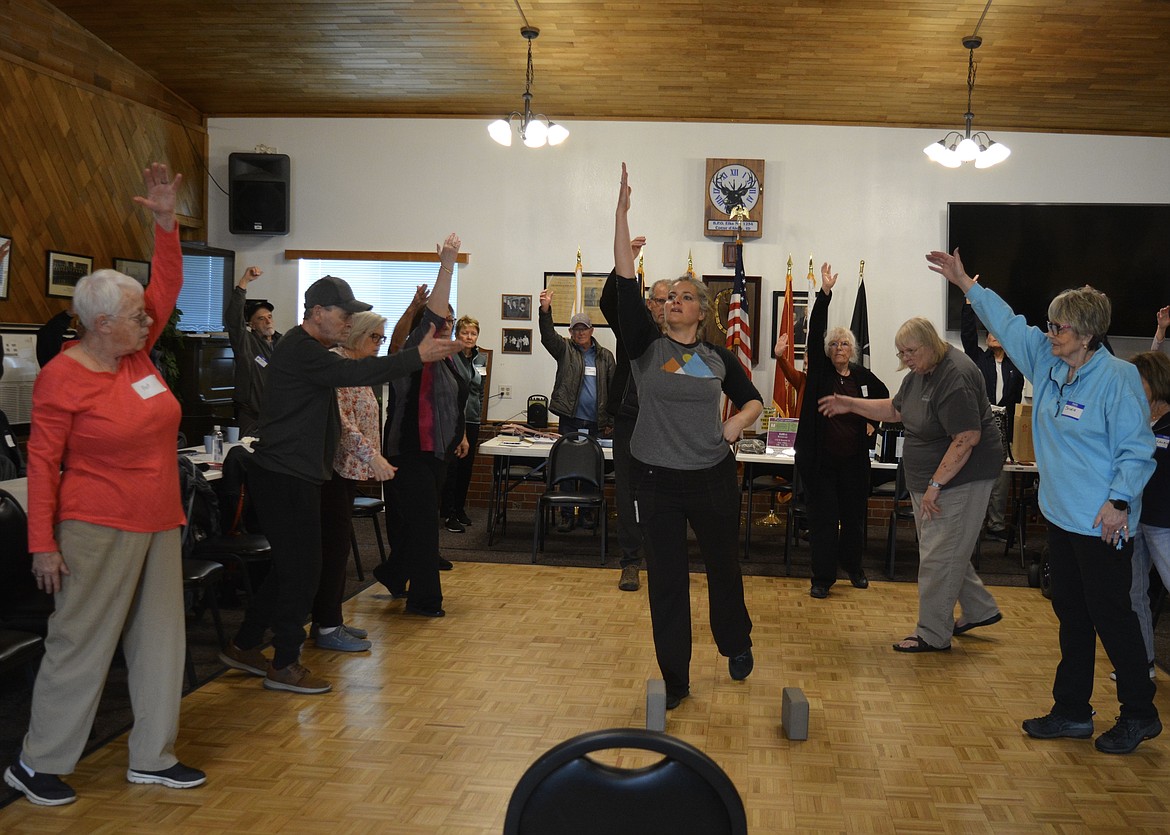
{"type": "Point", "coordinates": [783, 393]}
{"type": "Point", "coordinates": [739, 323]}
{"type": "Point", "coordinates": [578, 292]}
{"type": "Point", "coordinates": [641, 271]}
{"type": "Point", "coordinates": [860, 323]}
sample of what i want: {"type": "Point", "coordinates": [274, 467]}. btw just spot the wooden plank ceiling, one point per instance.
{"type": "Point", "coordinates": [1082, 66]}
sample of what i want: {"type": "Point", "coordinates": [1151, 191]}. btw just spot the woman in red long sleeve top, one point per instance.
{"type": "Point", "coordinates": [104, 524]}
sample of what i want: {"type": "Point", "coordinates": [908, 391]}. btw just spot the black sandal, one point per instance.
{"type": "Point", "coordinates": [967, 627]}
{"type": "Point", "coordinates": [919, 645]}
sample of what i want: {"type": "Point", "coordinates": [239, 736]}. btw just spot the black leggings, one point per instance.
{"type": "Point", "coordinates": [665, 501]}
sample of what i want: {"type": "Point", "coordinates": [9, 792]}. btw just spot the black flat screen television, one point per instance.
{"type": "Point", "coordinates": [1029, 252]}
{"type": "Point", "coordinates": [208, 277]}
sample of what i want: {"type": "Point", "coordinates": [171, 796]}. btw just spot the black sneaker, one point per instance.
{"type": "Point", "coordinates": [40, 788]}
{"type": "Point", "coordinates": [859, 580]}
{"type": "Point", "coordinates": [445, 565]}
{"type": "Point", "coordinates": [463, 518]}
{"type": "Point", "coordinates": [452, 524]}
{"type": "Point", "coordinates": [1052, 726]}
{"type": "Point", "coordinates": [740, 667]}
{"type": "Point", "coordinates": [673, 700]}
{"type": "Point", "coordinates": [1127, 735]}
{"type": "Point", "coordinates": [819, 591]}
{"type": "Point", "coordinates": [178, 776]}
{"type": "Point", "coordinates": [1000, 535]}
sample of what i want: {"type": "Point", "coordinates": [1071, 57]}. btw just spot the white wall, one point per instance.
{"type": "Point", "coordinates": [839, 194]}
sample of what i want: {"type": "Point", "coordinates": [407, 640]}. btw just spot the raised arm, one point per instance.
{"type": "Point", "coordinates": [1163, 317]}
{"type": "Point", "coordinates": [623, 256]}
{"type": "Point", "coordinates": [439, 302]}
{"type": "Point", "coordinates": [780, 352]}
{"type": "Point", "coordinates": [402, 328]}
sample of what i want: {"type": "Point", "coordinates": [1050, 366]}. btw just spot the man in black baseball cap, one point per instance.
{"type": "Point", "coordinates": [253, 336]}
{"type": "Point", "coordinates": [299, 429]}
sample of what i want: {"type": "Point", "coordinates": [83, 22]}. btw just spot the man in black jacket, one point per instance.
{"type": "Point", "coordinates": [1005, 388]}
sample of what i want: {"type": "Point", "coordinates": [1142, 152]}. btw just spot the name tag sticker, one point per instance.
{"type": "Point", "coordinates": [865, 391]}
{"type": "Point", "coordinates": [1073, 410]}
{"type": "Point", "coordinates": [591, 371]}
{"type": "Point", "coordinates": [1163, 441]}
{"type": "Point", "coordinates": [260, 361]}
{"type": "Point", "coordinates": [482, 369]}
{"type": "Point", "coordinates": [148, 387]}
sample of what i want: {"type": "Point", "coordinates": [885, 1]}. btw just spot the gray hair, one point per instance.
{"type": "Point", "coordinates": [362, 325]}
{"type": "Point", "coordinates": [840, 335]}
{"type": "Point", "coordinates": [1087, 309]}
{"type": "Point", "coordinates": [100, 294]}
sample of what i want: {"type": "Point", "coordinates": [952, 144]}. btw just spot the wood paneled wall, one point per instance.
{"type": "Point", "coordinates": [78, 122]}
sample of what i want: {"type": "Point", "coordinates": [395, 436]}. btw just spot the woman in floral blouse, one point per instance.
{"type": "Point", "coordinates": [359, 458]}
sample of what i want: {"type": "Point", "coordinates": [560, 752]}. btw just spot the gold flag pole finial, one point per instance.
{"type": "Point", "coordinates": [861, 272]}
{"type": "Point", "coordinates": [812, 278]}
{"type": "Point", "coordinates": [690, 265]}
{"type": "Point", "coordinates": [578, 258]}
{"type": "Point", "coordinates": [790, 263]}
{"type": "Point", "coordinates": [739, 214]}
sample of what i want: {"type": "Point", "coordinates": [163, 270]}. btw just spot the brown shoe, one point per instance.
{"type": "Point", "coordinates": [248, 660]}
{"type": "Point", "coordinates": [629, 580]}
{"type": "Point", "coordinates": [295, 679]}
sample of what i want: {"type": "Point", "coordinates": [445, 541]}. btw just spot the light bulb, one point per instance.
{"type": "Point", "coordinates": [557, 133]}
{"type": "Point", "coordinates": [995, 153]}
{"type": "Point", "coordinates": [967, 150]}
{"type": "Point", "coordinates": [535, 133]}
{"type": "Point", "coordinates": [501, 131]}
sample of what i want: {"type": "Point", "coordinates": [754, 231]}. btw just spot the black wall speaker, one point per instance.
{"type": "Point", "coordinates": [258, 194]}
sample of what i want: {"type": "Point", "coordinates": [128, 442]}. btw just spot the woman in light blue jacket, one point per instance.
{"type": "Point", "coordinates": [1094, 450]}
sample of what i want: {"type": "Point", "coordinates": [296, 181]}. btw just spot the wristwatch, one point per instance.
{"type": "Point", "coordinates": [933, 483]}
{"type": "Point", "coordinates": [1119, 504]}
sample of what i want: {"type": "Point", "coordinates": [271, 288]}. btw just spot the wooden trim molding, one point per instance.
{"type": "Point", "coordinates": [356, 255]}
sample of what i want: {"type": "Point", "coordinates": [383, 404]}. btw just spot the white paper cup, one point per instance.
{"type": "Point", "coordinates": [209, 444]}
{"type": "Point", "coordinates": [232, 434]}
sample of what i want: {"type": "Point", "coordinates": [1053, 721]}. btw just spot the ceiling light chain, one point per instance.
{"type": "Point", "coordinates": [535, 130]}
{"type": "Point", "coordinates": [956, 148]}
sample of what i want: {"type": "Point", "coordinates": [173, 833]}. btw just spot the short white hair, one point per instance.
{"type": "Point", "coordinates": [100, 294]}
{"type": "Point", "coordinates": [839, 334]}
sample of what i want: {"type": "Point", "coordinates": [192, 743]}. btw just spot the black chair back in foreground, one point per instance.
{"type": "Point", "coordinates": [23, 606]}
{"type": "Point", "coordinates": [568, 793]}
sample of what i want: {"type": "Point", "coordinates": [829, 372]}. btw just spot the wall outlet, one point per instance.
{"type": "Point", "coordinates": [10, 346]}
{"type": "Point", "coordinates": [505, 392]}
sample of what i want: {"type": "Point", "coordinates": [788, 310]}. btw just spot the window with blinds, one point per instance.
{"type": "Point", "coordinates": [387, 285]}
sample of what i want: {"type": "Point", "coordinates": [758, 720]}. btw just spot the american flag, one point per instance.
{"type": "Point", "coordinates": [739, 322]}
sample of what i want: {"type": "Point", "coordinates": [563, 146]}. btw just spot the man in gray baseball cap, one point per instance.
{"type": "Point", "coordinates": [299, 429]}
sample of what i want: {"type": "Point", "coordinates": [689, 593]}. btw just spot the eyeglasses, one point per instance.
{"type": "Point", "coordinates": [836, 345]}
{"type": "Point", "coordinates": [1056, 328]}
{"type": "Point", "coordinates": [142, 319]}
{"type": "Point", "coordinates": [909, 352]}
{"type": "Point", "coordinates": [657, 301]}
{"type": "Point", "coordinates": [378, 337]}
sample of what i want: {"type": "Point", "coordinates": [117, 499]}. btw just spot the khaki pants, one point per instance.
{"type": "Point", "coordinates": [120, 585]}
{"type": "Point", "coordinates": [945, 574]}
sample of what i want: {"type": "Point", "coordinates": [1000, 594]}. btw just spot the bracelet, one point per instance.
{"type": "Point", "coordinates": [933, 483]}
{"type": "Point", "coordinates": [448, 269]}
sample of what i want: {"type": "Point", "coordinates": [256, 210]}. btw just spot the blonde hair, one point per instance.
{"type": "Point", "coordinates": [1086, 309]}
{"type": "Point", "coordinates": [467, 322]}
{"type": "Point", "coordinates": [362, 325]}
{"type": "Point", "coordinates": [703, 297]}
{"type": "Point", "coordinates": [923, 332]}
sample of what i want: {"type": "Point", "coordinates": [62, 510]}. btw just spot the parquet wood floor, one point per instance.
{"type": "Point", "coordinates": [430, 731]}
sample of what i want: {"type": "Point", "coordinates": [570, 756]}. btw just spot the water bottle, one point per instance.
{"type": "Point", "coordinates": [217, 446]}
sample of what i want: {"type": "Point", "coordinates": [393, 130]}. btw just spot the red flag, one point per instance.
{"type": "Point", "coordinates": [783, 393]}
{"type": "Point", "coordinates": [739, 323]}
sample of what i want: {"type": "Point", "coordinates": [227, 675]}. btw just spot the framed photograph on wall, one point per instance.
{"type": "Point", "coordinates": [63, 270]}
{"type": "Point", "coordinates": [516, 341]}
{"type": "Point", "coordinates": [564, 287]}
{"type": "Point", "coordinates": [137, 270]}
{"type": "Point", "coordinates": [516, 307]}
{"type": "Point", "coordinates": [5, 260]}
{"type": "Point", "coordinates": [799, 320]}
{"type": "Point", "coordinates": [720, 287]}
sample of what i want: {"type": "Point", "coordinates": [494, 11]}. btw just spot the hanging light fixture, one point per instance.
{"type": "Point", "coordinates": [535, 129]}
{"type": "Point", "coordinates": [956, 148]}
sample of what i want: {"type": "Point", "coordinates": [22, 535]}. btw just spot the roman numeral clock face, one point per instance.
{"type": "Point", "coordinates": [732, 184]}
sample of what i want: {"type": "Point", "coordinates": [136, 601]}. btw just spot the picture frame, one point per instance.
{"type": "Point", "coordinates": [800, 313]}
{"type": "Point", "coordinates": [5, 260]}
{"type": "Point", "coordinates": [515, 307]}
{"type": "Point", "coordinates": [720, 287]}
{"type": "Point", "coordinates": [516, 341]}
{"type": "Point", "coordinates": [564, 287]}
{"type": "Point", "coordinates": [62, 272]}
{"type": "Point", "coordinates": [137, 270]}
